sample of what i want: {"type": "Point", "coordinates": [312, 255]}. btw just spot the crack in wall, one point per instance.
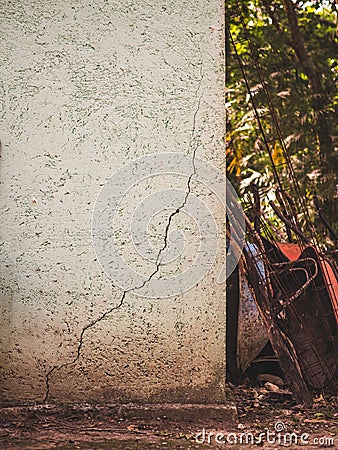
{"type": "Point", "coordinates": [158, 262]}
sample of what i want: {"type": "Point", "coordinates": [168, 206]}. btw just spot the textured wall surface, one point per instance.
{"type": "Point", "coordinates": [88, 86]}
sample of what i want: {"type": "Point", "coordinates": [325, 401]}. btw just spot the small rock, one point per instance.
{"type": "Point", "coordinates": [267, 377]}
{"type": "Point", "coordinates": [271, 387]}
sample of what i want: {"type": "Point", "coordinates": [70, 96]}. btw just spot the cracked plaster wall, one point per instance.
{"type": "Point", "coordinates": [88, 86]}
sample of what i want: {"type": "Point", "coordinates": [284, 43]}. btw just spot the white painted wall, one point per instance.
{"type": "Point", "coordinates": [88, 86]}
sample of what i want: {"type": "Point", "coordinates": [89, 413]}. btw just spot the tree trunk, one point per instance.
{"type": "Point", "coordinates": [300, 49]}
{"type": "Point", "coordinates": [328, 159]}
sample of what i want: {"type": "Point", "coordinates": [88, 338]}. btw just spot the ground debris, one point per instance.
{"type": "Point", "coordinates": [259, 410]}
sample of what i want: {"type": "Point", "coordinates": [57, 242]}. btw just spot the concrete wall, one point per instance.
{"type": "Point", "coordinates": [88, 86]}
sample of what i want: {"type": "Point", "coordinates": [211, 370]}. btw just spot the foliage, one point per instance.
{"type": "Point", "coordinates": [300, 111]}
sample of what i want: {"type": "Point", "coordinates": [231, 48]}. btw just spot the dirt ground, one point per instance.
{"type": "Point", "coordinates": [259, 411]}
